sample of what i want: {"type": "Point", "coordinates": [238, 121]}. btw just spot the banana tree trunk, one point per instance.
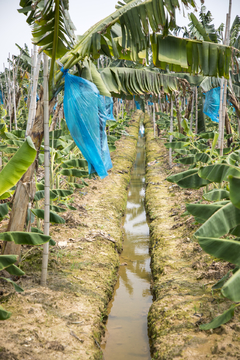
{"type": "Point", "coordinates": [180, 129]}
{"type": "Point", "coordinates": [189, 106]}
{"type": "Point", "coordinates": [25, 187]}
{"type": "Point", "coordinates": [160, 103]}
{"type": "Point", "coordinates": [55, 118]}
{"type": "Point", "coordinates": [228, 129]}
{"type": "Point", "coordinates": [35, 71]}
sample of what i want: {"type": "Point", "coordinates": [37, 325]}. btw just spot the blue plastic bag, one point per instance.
{"type": "Point", "coordinates": [86, 117]}
{"type": "Point", "coordinates": [138, 107]}
{"type": "Point", "coordinates": [109, 107]}
{"type": "Point", "coordinates": [212, 104]}
{"type": "Point", "coordinates": [1, 97]}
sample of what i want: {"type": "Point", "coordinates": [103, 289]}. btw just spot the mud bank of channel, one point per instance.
{"type": "Point", "coordinates": [182, 273]}
{"type": "Point", "coordinates": [65, 320]}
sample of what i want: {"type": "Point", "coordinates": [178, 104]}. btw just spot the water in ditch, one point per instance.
{"type": "Point", "coordinates": [126, 335]}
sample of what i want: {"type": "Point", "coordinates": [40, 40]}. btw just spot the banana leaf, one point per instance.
{"type": "Point", "coordinates": [17, 166]}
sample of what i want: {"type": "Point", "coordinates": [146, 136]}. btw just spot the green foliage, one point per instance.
{"type": "Point", "coordinates": [17, 166]}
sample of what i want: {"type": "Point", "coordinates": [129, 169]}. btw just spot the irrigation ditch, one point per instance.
{"type": "Point", "coordinates": [67, 319]}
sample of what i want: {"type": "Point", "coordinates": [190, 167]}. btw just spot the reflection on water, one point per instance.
{"type": "Point", "coordinates": [126, 335]}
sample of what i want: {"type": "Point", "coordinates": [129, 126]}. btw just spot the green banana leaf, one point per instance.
{"type": "Point", "coordinates": [220, 223]}
{"type": "Point", "coordinates": [231, 288]}
{"type": "Point", "coordinates": [54, 218]}
{"type": "Point", "coordinates": [4, 314]}
{"type": "Point", "coordinates": [14, 270]}
{"type": "Point", "coordinates": [135, 19]}
{"type": "Point", "coordinates": [24, 238]}
{"type": "Point", "coordinates": [225, 249]}
{"type": "Point", "coordinates": [3, 210]}
{"type": "Point", "coordinates": [218, 172]}
{"type": "Point", "coordinates": [17, 166]}
{"type": "Point", "coordinates": [177, 145]}
{"type": "Point", "coordinates": [216, 195]}
{"type": "Point", "coordinates": [57, 208]}
{"type": "Point", "coordinates": [234, 185]}
{"type": "Point", "coordinates": [16, 287]}
{"type": "Point", "coordinates": [204, 211]}
{"type": "Point", "coordinates": [234, 158]}
{"type": "Point", "coordinates": [219, 320]}
{"type": "Point", "coordinates": [74, 172]}
{"type": "Point", "coordinates": [76, 163]}
{"type": "Point", "coordinates": [188, 179]}
{"type": "Point", "coordinates": [7, 260]}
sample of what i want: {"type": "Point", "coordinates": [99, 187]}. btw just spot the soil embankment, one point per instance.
{"type": "Point", "coordinates": [182, 273]}
{"type": "Point", "coordinates": [65, 319]}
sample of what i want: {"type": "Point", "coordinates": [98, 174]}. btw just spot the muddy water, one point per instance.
{"type": "Point", "coordinates": [126, 329]}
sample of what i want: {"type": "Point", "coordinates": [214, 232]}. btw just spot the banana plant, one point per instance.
{"type": "Point", "coordinates": [220, 230]}
{"type": "Point", "coordinates": [7, 262]}
{"type": "Point", "coordinates": [14, 170]}
{"type": "Point", "coordinates": [52, 29]}
{"type": "Point", "coordinates": [9, 176]}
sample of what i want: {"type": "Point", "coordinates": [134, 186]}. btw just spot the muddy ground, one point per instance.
{"type": "Point", "coordinates": [182, 273]}
{"type": "Point", "coordinates": [65, 319]}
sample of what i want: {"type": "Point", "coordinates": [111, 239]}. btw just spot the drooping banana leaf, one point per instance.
{"type": "Point", "coordinates": [219, 320]}
{"type": "Point", "coordinates": [216, 195]}
{"type": "Point", "coordinates": [24, 238]}
{"type": "Point", "coordinates": [188, 179]}
{"type": "Point", "coordinates": [53, 29]}
{"type": "Point", "coordinates": [218, 172]}
{"type": "Point", "coordinates": [220, 223]}
{"type": "Point", "coordinates": [135, 18]}
{"type": "Point", "coordinates": [54, 218]}
{"type": "Point", "coordinates": [204, 211]}
{"type": "Point", "coordinates": [137, 81]}
{"type": "Point", "coordinates": [17, 165]}
{"type": "Point", "coordinates": [231, 288]}
{"type": "Point", "coordinates": [4, 314]}
{"type": "Point", "coordinates": [234, 184]}
{"type": "Point", "coordinates": [7, 260]}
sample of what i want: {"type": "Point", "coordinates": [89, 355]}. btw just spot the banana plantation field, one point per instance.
{"type": "Point", "coordinates": [120, 186]}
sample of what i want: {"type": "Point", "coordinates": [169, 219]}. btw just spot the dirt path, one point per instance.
{"type": "Point", "coordinates": [65, 319]}
{"type": "Point", "coordinates": [182, 273]}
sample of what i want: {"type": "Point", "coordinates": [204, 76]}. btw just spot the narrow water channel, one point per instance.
{"type": "Point", "coordinates": [126, 335]}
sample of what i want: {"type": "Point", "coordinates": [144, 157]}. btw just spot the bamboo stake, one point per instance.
{"type": "Point", "coordinates": [154, 121]}
{"type": "Point", "coordinates": [196, 110]}
{"type": "Point", "coordinates": [8, 95]}
{"type": "Point", "coordinates": [6, 84]}
{"type": "Point", "coordinates": [191, 120]}
{"type": "Point", "coordinates": [14, 95]}
{"type": "Point", "coordinates": [47, 171]}
{"type": "Point", "coordinates": [171, 130]}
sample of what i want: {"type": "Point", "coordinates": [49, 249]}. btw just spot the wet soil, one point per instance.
{"type": "Point", "coordinates": [182, 273]}
{"type": "Point", "coordinates": [65, 320]}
